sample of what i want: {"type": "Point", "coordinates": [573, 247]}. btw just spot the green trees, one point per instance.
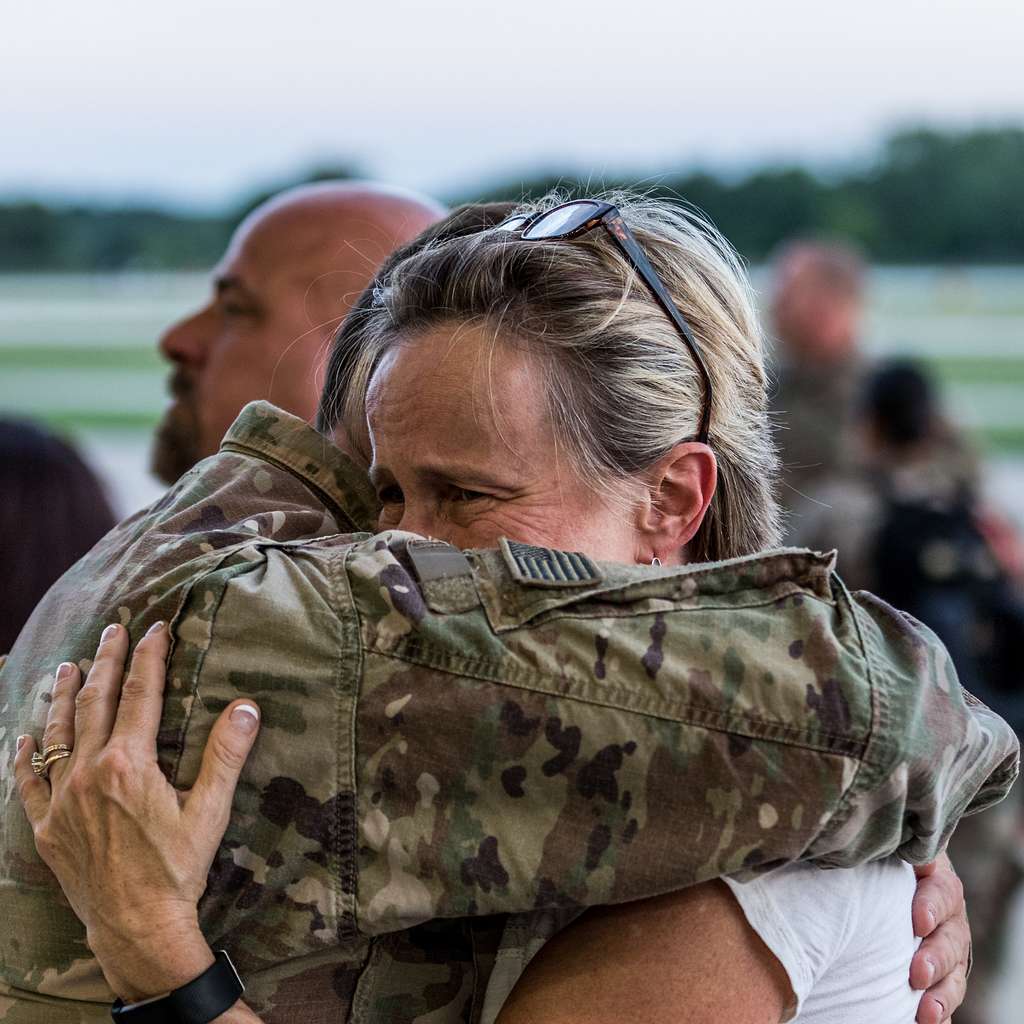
{"type": "Point", "coordinates": [929, 196]}
{"type": "Point", "coordinates": [955, 197]}
{"type": "Point", "coordinates": [36, 237]}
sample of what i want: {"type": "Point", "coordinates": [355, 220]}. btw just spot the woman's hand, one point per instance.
{"type": "Point", "coordinates": [130, 852]}
{"type": "Point", "coordinates": [941, 962]}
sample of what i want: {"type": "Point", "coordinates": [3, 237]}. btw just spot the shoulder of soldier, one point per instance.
{"type": "Point", "coordinates": [516, 582]}
{"type": "Point", "coordinates": [218, 513]}
{"type": "Point", "coordinates": [770, 636]}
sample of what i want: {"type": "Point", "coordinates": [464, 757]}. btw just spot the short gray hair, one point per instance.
{"type": "Point", "coordinates": [622, 386]}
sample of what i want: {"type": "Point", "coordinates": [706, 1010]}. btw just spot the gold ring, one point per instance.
{"type": "Point", "coordinates": [56, 756]}
{"type": "Point", "coordinates": [41, 764]}
{"type": "Point", "coordinates": [54, 747]}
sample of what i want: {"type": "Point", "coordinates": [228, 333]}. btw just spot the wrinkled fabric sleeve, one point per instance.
{"type": "Point", "coordinates": [935, 754]}
{"type": "Point", "coordinates": [605, 753]}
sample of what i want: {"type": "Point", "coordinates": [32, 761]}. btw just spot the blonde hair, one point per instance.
{"type": "Point", "coordinates": [622, 386]}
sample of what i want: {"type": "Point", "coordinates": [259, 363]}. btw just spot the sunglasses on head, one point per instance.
{"type": "Point", "coordinates": [570, 220]}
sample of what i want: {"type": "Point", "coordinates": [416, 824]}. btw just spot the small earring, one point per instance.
{"type": "Point", "coordinates": [655, 561]}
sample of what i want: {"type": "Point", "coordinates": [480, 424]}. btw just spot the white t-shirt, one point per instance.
{"type": "Point", "coordinates": [844, 937]}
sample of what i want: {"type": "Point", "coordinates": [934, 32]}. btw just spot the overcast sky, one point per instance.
{"type": "Point", "coordinates": [196, 101]}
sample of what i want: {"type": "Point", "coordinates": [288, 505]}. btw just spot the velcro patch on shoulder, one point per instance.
{"type": "Point", "coordinates": [545, 567]}
{"type": "Point", "coordinates": [435, 560]}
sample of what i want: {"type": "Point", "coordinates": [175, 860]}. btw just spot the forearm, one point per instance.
{"type": "Point", "coordinates": [139, 966]}
{"type": "Point", "coordinates": [639, 961]}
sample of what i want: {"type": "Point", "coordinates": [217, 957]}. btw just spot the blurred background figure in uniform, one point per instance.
{"type": "Point", "coordinates": [52, 510]}
{"type": "Point", "coordinates": [816, 308]}
{"type": "Point", "coordinates": [292, 269]}
{"type": "Point", "coordinates": [909, 524]}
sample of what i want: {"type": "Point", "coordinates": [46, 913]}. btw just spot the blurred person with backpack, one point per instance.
{"type": "Point", "coordinates": [911, 526]}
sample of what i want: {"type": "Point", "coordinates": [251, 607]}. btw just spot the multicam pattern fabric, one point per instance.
{"type": "Point", "coordinates": [457, 757]}
{"type": "Point", "coordinates": [814, 408]}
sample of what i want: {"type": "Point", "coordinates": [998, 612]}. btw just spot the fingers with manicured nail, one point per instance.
{"type": "Point", "coordinates": [60, 719]}
{"type": "Point", "coordinates": [96, 704]}
{"type": "Point", "coordinates": [141, 706]}
{"type": "Point", "coordinates": [230, 741]}
{"type": "Point", "coordinates": [245, 717]}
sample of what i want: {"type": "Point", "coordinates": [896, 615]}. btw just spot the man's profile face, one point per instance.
{"type": "Point", "coordinates": [815, 311]}
{"type": "Point", "coordinates": [260, 336]}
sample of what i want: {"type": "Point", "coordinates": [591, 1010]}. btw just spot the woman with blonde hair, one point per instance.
{"type": "Point", "coordinates": [589, 376]}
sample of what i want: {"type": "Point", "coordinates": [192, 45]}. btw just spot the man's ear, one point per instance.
{"type": "Point", "coordinates": [680, 486]}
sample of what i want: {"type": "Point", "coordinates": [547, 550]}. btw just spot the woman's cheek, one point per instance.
{"type": "Point", "coordinates": [530, 525]}
{"type": "Point", "coordinates": [388, 519]}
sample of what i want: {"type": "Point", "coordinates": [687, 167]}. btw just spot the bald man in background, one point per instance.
{"type": "Point", "coordinates": [291, 271]}
{"type": "Point", "coordinates": [817, 308]}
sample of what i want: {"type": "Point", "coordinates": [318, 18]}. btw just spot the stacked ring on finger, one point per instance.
{"type": "Point", "coordinates": [55, 752]}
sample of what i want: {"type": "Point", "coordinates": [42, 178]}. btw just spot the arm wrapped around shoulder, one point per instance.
{"type": "Point", "coordinates": [935, 752]}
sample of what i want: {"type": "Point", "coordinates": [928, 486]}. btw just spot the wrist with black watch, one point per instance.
{"type": "Point", "coordinates": [200, 1001]}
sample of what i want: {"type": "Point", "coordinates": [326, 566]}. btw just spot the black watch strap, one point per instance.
{"type": "Point", "coordinates": [203, 999]}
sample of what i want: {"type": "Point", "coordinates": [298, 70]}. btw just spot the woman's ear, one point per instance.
{"type": "Point", "coordinates": [680, 486]}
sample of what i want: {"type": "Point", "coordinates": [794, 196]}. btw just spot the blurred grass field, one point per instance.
{"type": "Point", "coordinates": [79, 353]}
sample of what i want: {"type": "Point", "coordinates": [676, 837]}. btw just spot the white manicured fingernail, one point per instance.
{"type": "Point", "coordinates": [64, 669]}
{"type": "Point", "coordinates": [108, 633]}
{"type": "Point", "coordinates": [245, 717]}
{"type": "Point", "coordinates": [155, 628]}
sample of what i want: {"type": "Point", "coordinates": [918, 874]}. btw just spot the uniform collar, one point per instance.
{"type": "Point", "coordinates": [276, 436]}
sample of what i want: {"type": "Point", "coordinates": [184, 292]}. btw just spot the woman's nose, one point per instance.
{"type": "Point", "coordinates": [415, 521]}
{"type": "Point", "coordinates": [425, 523]}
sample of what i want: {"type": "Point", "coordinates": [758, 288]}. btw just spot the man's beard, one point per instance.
{"type": "Point", "coordinates": [176, 444]}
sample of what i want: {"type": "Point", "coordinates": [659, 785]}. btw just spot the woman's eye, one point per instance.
{"type": "Point", "coordinates": [463, 494]}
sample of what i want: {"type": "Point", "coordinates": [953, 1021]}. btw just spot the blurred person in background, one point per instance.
{"type": "Point", "coordinates": [909, 526]}
{"type": "Point", "coordinates": [52, 510]}
{"type": "Point", "coordinates": [817, 306]}
{"type": "Point", "coordinates": [292, 269]}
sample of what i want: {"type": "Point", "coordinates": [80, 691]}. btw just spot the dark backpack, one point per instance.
{"type": "Point", "coordinates": [931, 560]}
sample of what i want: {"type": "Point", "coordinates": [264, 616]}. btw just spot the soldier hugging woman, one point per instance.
{"type": "Point", "coordinates": [490, 699]}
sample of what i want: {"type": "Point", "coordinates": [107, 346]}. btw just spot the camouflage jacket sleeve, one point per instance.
{"type": "Point", "coordinates": [541, 732]}
{"type": "Point", "coordinates": [452, 736]}
{"type": "Point", "coordinates": [935, 752]}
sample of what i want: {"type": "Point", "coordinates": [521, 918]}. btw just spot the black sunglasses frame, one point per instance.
{"type": "Point", "coordinates": [608, 216]}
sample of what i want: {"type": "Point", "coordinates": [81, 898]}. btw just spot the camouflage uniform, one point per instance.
{"type": "Point", "coordinates": [814, 408]}
{"type": "Point", "coordinates": [461, 751]}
